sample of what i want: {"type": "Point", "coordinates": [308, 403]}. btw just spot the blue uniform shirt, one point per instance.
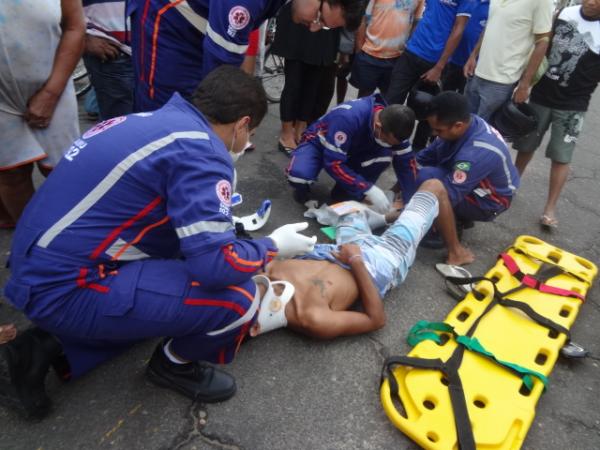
{"type": "Point", "coordinates": [478, 166]}
{"type": "Point", "coordinates": [430, 36]}
{"type": "Point", "coordinates": [149, 185]}
{"type": "Point", "coordinates": [473, 30]}
{"type": "Point", "coordinates": [176, 44]}
{"type": "Point", "coordinates": [346, 133]}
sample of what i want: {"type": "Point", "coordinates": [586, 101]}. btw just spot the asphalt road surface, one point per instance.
{"type": "Point", "coordinates": [298, 393]}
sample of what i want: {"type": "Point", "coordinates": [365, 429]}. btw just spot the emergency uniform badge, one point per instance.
{"type": "Point", "coordinates": [239, 18]}
{"type": "Point", "coordinates": [340, 138]}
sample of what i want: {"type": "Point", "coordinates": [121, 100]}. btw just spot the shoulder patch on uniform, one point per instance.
{"type": "Point", "coordinates": [340, 138]}
{"type": "Point", "coordinates": [103, 126]}
{"type": "Point", "coordinates": [459, 176]}
{"type": "Point", "coordinates": [223, 189]}
{"type": "Point", "coordinates": [465, 166]}
{"type": "Point", "coordinates": [239, 17]}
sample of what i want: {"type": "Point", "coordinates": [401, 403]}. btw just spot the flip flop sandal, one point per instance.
{"type": "Point", "coordinates": [548, 222]}
{"type": "Point", "coordinates": [287, 150]}
{"type": "Point", "coordinates": [449, 270]}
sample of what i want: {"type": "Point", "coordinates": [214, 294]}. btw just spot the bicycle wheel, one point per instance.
{"type": "Point", "coordinates": [273, 76]}
{"type": "Point", "coordinates": [81, 79]}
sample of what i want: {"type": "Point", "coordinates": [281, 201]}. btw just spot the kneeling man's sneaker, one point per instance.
{"type": "Point", "coordinates": [28, 358]}
{"type": "Point", "coordinates": [432, 240]}
{"type": "Point", "coordinates": [197, 380]}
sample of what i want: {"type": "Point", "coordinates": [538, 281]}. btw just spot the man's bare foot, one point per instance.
{"type": "Point", "coordinates": [7, 333]}
{"type": "Point", "coordinates": [460, 256]}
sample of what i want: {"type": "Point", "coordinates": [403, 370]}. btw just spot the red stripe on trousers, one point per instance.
{"type": "Point", "coordinates": [113, 235]}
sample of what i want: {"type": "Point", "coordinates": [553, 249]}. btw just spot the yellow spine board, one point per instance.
{"type": "Point", "coordinates": [501, 411]}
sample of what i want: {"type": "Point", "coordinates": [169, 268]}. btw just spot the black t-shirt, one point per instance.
{"type": "Point", "coordinates": [574, 63]}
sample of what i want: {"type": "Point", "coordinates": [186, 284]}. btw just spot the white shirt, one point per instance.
{"type": "Point", "coordinates": [510, 37]}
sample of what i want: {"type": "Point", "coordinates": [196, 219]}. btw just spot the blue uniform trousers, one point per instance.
{"type": "Point", "coordinates": [141, 300]}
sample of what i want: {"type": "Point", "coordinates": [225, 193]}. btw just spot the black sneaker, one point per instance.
{"type": "Point", "coordinates": [301, 196]}
{"type": "Point", "coordinates": [197, 380]}
{"type": "Point", "coordinates": [28, 358]}
{"type": "Point", "coordinates": [432, 240]}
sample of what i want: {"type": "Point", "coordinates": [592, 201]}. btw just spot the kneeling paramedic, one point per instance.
{"type": "Point", "coordinates": [472, 161]}
{"type": "Point", "coordinates": [131, 237]}
{"type": "Point", "coordinates": [355, 142]}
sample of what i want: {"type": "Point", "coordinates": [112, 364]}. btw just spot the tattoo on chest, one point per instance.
{"type": "Point", "coordinates": [320, 284]}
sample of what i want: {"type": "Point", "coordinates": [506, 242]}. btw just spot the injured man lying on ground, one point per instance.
{"type": "Point", "coordinates": [312, 294]}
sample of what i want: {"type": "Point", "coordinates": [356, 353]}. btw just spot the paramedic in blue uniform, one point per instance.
{"type": "Point", "coordinates": [355, 142]}
{"type": "Point", "coordinates": [472, 161]}
{"type": "Point", "coordinates": [175, 43]}
{"type": "Point", "coordinates": [131, 237]}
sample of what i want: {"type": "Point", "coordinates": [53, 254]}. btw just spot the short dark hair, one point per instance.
{"type": "Point", "coordinates": [227, 94]}
{"type": "Point", "coordinates": [353, 12]}
{"type": "Point", "coordinates": [399, 120]}
{"type": "Point", "coordinates": [449, 107]}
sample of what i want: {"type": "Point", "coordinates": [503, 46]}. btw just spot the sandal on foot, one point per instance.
{"type": "Point", "coordinates": [548, 222]}
{"type": "Point", "coordinates": [287, 150]}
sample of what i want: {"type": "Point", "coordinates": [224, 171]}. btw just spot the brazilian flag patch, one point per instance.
{"type": "Point", "coordinates": [465, 166]}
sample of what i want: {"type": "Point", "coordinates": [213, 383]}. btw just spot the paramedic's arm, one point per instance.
{"type": "Point", "coordinates": [329, 324]}
{"type": "Point", "coordinates": [228, 32]}
{"type": "Point", "coordinates": [198, 200]}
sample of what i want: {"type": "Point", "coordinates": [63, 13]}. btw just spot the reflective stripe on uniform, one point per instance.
{"type": "Point", "coordinates": [376, 160]}
{"type": "Point", "coordinates": [404, 151]}
{"type": "Point", "coordinates": [222, 42]}
{"type": "Point", "coordinates": [195, 19]}
{"type": "Point", "coordinates": [329, 146]}
{"type": "Point", "coordinates": [111, 179]}
{"type": "Point", "coordinates": [203, 226]}
{"type": "Point", "coordinates": [497, 151]}
{"type": "Point", "coordinates": [299, 180]}
{"type": "Point", "coordinates": [131, 253]}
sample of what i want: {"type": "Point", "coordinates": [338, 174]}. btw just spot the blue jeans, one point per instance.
{"type": "Point", "coordinates": [485, 97]}
{"type": "Point", "coordinates": [113, 83]}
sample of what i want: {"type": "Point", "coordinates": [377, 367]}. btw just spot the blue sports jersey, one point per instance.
{"type": "Point", "coordinates": [345, 136]}
{"type": "Point", "coordinates": [150, 185]}
{"type": "Point", "coordinates": [472, 32]}
{"type": "Point", "coordinates": [478, 167]}
{"type": "Point", "coordinates": [430, 36]}
{"type": "Point", "coordinates": [175, 44]}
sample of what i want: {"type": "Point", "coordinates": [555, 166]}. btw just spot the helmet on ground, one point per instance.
{"type": "Point", "coordinates": [420, 96]}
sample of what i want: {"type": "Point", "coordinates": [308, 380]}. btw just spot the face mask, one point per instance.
{"type": "Point", "coordinates": [380, 142]}
{"type": "Point", "coordinates": [236, 156]}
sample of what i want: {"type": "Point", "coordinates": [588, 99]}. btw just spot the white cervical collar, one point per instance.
{"type": "Point", "coordinates": [271, 312]}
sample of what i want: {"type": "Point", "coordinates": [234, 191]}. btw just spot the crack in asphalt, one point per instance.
{"type": "Point", "coordinates": [575, 422]}
{"type": "Point", "coordinates": [382, 350]}
{"type": "Point", "coordinates": [198, 418]}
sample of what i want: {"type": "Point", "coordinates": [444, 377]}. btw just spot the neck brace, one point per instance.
{"type": "Point", "coordinates": [271, 313]}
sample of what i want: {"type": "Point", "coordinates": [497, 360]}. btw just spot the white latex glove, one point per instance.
{"type": "Point", "coordinates": [291, 243]}
{"type": "Point", "coordinates": [378, 200]}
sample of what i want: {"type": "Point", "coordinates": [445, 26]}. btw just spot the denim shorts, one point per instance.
{"type": "Point", "coordinates": [387, 257]}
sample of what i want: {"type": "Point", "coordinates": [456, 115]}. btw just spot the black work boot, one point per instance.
{"type": "Point", "coordinates": [196, 380]}
{"type": "Point", "coordinates": [28, 358]}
